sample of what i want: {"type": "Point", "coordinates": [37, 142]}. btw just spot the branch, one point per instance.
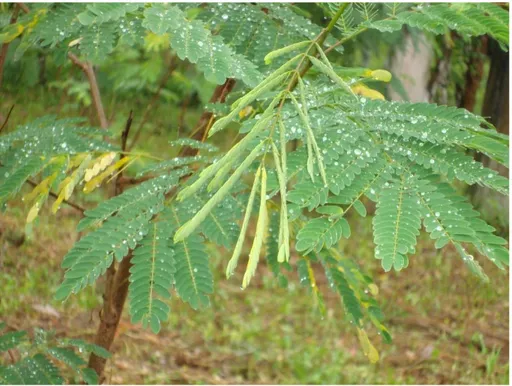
{"type": "Point", "coordinates": [305, 65]}
{"type": "Point", "coordinates": [23, 7]}
{"type": "Point", "coordinates": [70, 203]}
{"type": "Point", "coordinates": [124, 138]}
{"type": "Point", "coordinates": [200, 132]}
{"type": "Point", "coordinates": [88, 69]}
{"type": "Point", "coordinates": [7, 118]}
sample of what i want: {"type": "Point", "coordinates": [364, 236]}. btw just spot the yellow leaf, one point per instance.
{"type": "Point", "coordinates": [99, 165]}
{"type": "Point", "coordinates": [67, 186]}
{"type": "Point", "coordinates": [374, 290]}
{"type": "Point", "coordinates": [365, 91]}
{"type": "Point", "coordinates": [12, 31]}
{"type": "Point", "coordinates": [382, 75]}
{"type": "Point", "coordinates": [96, 181]}
{"type": "Point", "coordinates": [75, 42]}
{"type": "Point", "coordinates": [42, 188]}
{"type": "Point", "coordinates": [245, 112]}
{"type": "Point", "coordinates": [369, 350]}
{"type": "Point", "coordinates": [62, 188]}
{"type": "Point", "coordinates": [32, 213]}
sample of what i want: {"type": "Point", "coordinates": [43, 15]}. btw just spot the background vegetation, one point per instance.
{"type": "Point", "coordinates": [447, 325]}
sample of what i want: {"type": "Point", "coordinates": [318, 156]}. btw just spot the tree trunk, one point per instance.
{"type": "Point", "coordinates": [114, 299]}
{"type": "Point", "coordinates": [496, 110]}
{"type": "Point", "coordinates": [412, 67]}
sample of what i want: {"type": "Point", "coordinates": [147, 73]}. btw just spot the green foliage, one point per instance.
{"type": "Point", "coordinates": [468, 19]}
{"type": "Point", "coordinates": [193, 279]}
{"type": "Point", "coordinates": [349, 145]}
{"type": "Point", "coordinates": [396, 224]}
{"type": "Point", "coordinates": [39, 359]}
{"type": "Point", "coordinates": [121, 223]}
{"type": "Point", "coordinates": [151, 276]}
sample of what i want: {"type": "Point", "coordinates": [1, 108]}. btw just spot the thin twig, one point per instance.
{"type": "Point", "coordinates": [70, 203]}
{"type": "Point", "coordinates": [200, 132]}
{"type": "Point", "coordinates": [23, 7]}
{"type": "Point", "coordinates": [93, 83]}
{"type": "Point", "coordinates": [124, 139]}
{"type": "Point", "coordinates": [7, 118]}
{"type": "Point", "coordinates": [11, 355]}
{"type": "Point", "coordinates": [124, 136]}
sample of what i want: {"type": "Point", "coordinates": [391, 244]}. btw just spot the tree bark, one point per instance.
{"type": "Point", "coordinates": [114, 298]}
{"type": "Point", "coordinates": [496, 110]}
{"type": "Point", "coordinates": [474, 74]}
{"type": "Point", "coordinates": [116, 287]}
{"type": "Point", "coordinates": [495, 107]}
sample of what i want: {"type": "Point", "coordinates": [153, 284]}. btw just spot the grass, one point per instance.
{"type": "Point", "coordinates": [447, 326]}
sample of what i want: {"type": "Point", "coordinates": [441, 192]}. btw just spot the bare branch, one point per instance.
{"type": "Point", "coordinates": [88, 69]}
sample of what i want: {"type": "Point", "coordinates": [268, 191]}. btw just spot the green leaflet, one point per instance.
{"type": "Point", "coordinates": [396, 225]}
{"type": "Point", "coordinates": [193, 278]}
{"type": "Point", "coordinates": [35, 367]}
{"type": "Point", "coordinates": [349, 298]}
{"type": "Point", "coordinates": [98, 41]}
{"type": "Point", "coordinates": [454, 164]}
{"type": "Point", "coordinates": [326, 231]}
{"type": "Point", "coordinates": [469, 19]}
{"type": "Point", "coordinates": [36, 370]}
{"type": "Point", "coordinates": [321, 233]}
{"type": "Point", "coordinates": [261, 227]}
{"type": "Point", "coordinates": [94, 253]}
{"type": "Point", "coordinates": [450, 219]}
{"type": "Point", "coordinates": [160, 19]}
{"type": "Point", "coordinates": [151, 277]}
{"type": "Point", "coordinates": [14, 177]}
{"type": "Point", "coordinates": [220, 225]}
{"type": "Point", "coordinates": [104, 12]}
{"type": "Point", "coordinates": [129, 201]}
{"type": "Point", "coordinates": [123, 221]}
{"type": "Point", "coordinates": [10, 340]}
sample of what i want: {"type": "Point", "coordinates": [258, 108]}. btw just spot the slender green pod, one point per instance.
{"type": "Point", "coordinates": [323, 56]}
{"type": "Point", "coordinates": [281, 72]}
{"type": "Point", "coordinates": [261, 226]}
{"type": "Point", "coordinates": [230, 156]}
{"type": "Point", "coordinates": [187, 228]}
{"type": "Point", "coordinates": [284, 240]}
{"type": "Point", "coordinates": [233, 262]}
{"type": "Point", "coordinates": [331, 74]}
{"type": "Point", "coordinates": [283, 51]}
